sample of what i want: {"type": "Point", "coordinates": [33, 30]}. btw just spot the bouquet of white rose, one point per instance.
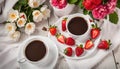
{"type": "Point", "coordinates": [24, 15]}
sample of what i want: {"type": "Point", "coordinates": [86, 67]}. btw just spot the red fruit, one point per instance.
{"type": "Point", "coordinates": [60, 38]}
{"type": "Point", "coordinates": [64, 24]}
{"type": "Point", "coordinates": [68, 51]}
{"type": "Point", "coordinates": [79, 50]}
{"type": "Point", "coordinates": [70, 41]}
{"type": "Point", "coordinates": [90, 20]}
{"type": "Point", "coordinates": [95, 32]}
{"type": "Point", "coordinates": [104, 44]}
{"type": "Point", "coordinates": [89, 44]}
{"type": "Point", "coordinates": [22, 16]}
{"type": "Point", "coordinates": [53, 30]}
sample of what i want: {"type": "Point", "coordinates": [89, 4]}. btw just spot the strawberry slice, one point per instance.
{"type": "Point", "coordinates": [89, 44]}
{"type": "Point", "coordinates": [68, 51]}
{"type": "Point", "coordinates": [61, 38]}
{"type": "Point", "coordinates": [53, 30]}
{"type": "Point", "coordinates": [64, 24]}
{"type": "Point", "coordinates": [70, 41]}
{"type": "Point", "coordinates": [95, 31]}
{"type": "Point", "coordinates": [104, 44]}
{"type": "Point", "coordinates": [79, 50]}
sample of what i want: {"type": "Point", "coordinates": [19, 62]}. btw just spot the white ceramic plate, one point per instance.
{"type": "Point", "coordinates": [61, 47]}
{"type": "Point", "coordinates": [50, 63]}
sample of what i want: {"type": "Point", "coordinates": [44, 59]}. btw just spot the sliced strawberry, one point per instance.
{"type": "Point", "coordinates": [70, 41]}
{"type": "Point", "coordinates": [64, 24]}
{"type": "Point", "coordinates": [53, 30]}
{"type": "Point", "coordinates": [95, 31]}
{"type": "Point", "coordinates": [61, 38]}
{"type": "Point", "coordinates": [89, 44]}
{"type": "Point", "coordinates": [79, 50]}
{"type": "Point", "coordinates": [104, 44]}
{"type": "Point", "coordinates": [68, 51]}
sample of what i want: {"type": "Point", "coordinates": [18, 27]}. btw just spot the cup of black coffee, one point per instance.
{"type": "Point", "coordinates": [36, 51]}
{"type": "Point", "coordinates": [78, 26]}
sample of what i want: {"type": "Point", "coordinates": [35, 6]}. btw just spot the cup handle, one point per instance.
{"type": "Point", "coordinates": [22, 60]}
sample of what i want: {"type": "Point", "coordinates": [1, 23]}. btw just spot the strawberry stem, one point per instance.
{"type": "Point", "coordinates": [65, 18]}
{"type": "Point", "coordinates": [81, 46]}
{"type": "Point", "coordinates": [65, 51]}
{"type": "Point", "coordinates": [93, 26]}
{"type": "Point", "coordinates": [109, 42]}
{"type": "Point", "coordinates": [58, 34]}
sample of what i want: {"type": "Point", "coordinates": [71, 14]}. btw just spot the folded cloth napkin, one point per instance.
{"type": "Point", "coordinates": [109, 31]}
{"type": "Point", "coordinates": [8, 5]}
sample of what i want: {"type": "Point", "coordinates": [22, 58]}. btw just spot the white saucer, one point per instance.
{"type": "Point", "coordinates": [61, 47]}
{"type": "Point", "coordinates": [50, 63]}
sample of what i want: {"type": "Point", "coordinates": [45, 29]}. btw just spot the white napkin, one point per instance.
{"type": "Point", "coordinates": [8, 5]}
{"type": "Point", "coordinates": [109, 31]}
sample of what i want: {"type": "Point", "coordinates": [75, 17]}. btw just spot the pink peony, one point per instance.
{"type": "Point", "coordinates": [59, 3]}
{"type": "Point", "coordinates": [111, 5]}
{"type": "Point", "coordinates": [100, 12]}
{"type": "Point", "coordinates": [54, 2]}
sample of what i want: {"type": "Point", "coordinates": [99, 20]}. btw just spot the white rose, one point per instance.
{"type": "Point", "coordinates": [23, 15]}
{"type": "Point", "coordinates": [34, 3]}
{"type": "Point", "coordinates": [21, 22]}
{"type": "Point", "coordinates": [10, 27]}
{"type": "Point", "coordinates": [37, 16]}
{"type": "Point", "coordinates": [45, 11]}
{"type": "Point", "coordinates": [29, 28]}
{"type": "Point", "coordinates": [14, 36]}
{"type": "Point", "coordinates": [13, 15]}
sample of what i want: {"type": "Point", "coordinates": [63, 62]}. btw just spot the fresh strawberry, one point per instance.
{"type": "Point", "coordinates": [79, 50]}
{"type": "Point", "coordinates": [61, 38]}
{"type": "Point", "coordinates": [104, 44]}
{"type": "Point", "coordinates": [95, 31]}
{"type": "Point", "coordinates": [64, 24]}
{"type": "Point", "coordinates": [53, 30]}
{"type": "Point", "coordinates": [89, 44]}
{"type": "Point", "coordinates": [70, 41]}
{"type": "Point", "coordinates": [68, 51]}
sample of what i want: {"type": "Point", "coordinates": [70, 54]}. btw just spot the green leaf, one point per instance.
{"type": "Point", "coordinates": [23, 2]}
{"type": "Point", "coordinates": [85, 11]}
{"type": "Point", "coordinates": [16, 6]}
{"type": "Point", "coordinates": [118, 4]}
{"type": "Point", "coordinates": [72, 1]}
{"type": "Point", "coordinates": [104, 1]}
{"type": "Point", "coordinates": [113, 18]}
{"type": "Point", "coordinates": [79, 3]}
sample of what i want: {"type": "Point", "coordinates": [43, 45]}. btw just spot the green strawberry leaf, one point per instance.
{"type": "Point", "coordinates": [113, 18]}
{"type": "Point", "coordinates": [72, 1]}
{"type": "Point", "coordinates": [118, 4]}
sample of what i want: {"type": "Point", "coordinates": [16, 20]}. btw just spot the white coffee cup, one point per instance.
{"type": "Point", "coordinates": [41, 62]}
{"type": "Point", "coordinates": [84, 36]}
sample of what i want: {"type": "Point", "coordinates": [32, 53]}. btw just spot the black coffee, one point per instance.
{"type": "Point", "coordinates": [77, 26]}
{"type": "Point", "coordinates": [35, 50]}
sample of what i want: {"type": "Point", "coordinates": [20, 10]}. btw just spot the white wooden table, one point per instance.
{"type": "Point", "coordinates": [111, 61]}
